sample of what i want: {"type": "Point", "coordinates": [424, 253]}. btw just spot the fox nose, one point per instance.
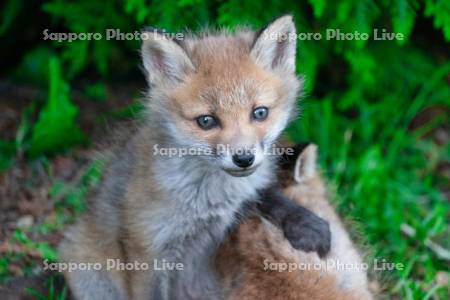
{"type": "Point", "coordinates": [243, 160]}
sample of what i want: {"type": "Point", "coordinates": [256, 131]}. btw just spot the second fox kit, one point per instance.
{"type": "Point", "coordinates": [236, 89]}
{"type": "Point", "coordinates": [249, 259]}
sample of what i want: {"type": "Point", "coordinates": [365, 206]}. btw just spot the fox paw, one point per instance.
{"type": "Point", "coordinates": [306, 231]}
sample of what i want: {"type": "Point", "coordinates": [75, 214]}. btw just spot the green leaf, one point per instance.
{"type": "Point", "coordinates": [403, 18]}
{"type": "Point", "coordinates": [318, 7]}
{"type": "Point", "coordinates": [440, 10]}
{"type": "Point", "coordinates": [96, 91]}
{"type": "Point", "coordinates": [7, 152]}
{"type": "Point", "coordinates": [47, 251]}
{"type": "Point", "coordinates": [34, 66]}
{"type": "Point", "coordinates": [56, 128]}
{"type": "Point", "coordinates": [9, 13]}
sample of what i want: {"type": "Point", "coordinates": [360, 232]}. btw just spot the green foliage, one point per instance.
{"type": "Point", "coordinates": [72, 197]}
{"type": "Point", "coordinates": [96, 91]}
{"type": "Point", "coordinates": [34, 67]}
{"type": "Point", "coordinates": [68, 201]}
{"type": "Point", "coordinates": [7, 151]}
{"type": "Point", "coordinates": [46, 251]}
{"type": "Point", "coordinates": [53, 292]}
{"type": "Point", "coordinates": [318, 7]}
{"type": "Point", "coordinates": [56, 128]}
{"type": "Point", "coordinates": [440, 11]}
{"type": "Point", "coordinates": [10, 11]}
{"type": "Point", "coordinates": [86, 16]}
{"type": "Point", "coordinates": [403, 16]}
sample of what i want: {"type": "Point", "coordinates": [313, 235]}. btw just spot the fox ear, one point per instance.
{"type": "Point", "coordinates": [305, 166]}
{"type": "Point", "coordinates": [274, 47]}
{"type": "Point", "coordinates": [163, 59]}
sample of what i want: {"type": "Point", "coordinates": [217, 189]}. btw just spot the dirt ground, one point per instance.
{"type": "Point", "coordinates": [25, 188]}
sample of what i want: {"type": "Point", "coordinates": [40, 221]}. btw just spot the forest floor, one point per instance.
{"type": "Point", "coordinates": [39, 198]}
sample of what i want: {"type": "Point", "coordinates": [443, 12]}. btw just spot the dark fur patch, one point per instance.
{"type": "Point", "coordinates": [303, 228]}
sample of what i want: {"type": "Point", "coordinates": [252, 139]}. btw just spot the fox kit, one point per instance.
{"type": "Point", "coordinates": [237, 90]}
{"type": "Point", "coordinates": [248, 260]}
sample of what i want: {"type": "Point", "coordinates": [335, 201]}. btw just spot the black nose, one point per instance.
{"type": "Point", "coordinates": [243, 160]}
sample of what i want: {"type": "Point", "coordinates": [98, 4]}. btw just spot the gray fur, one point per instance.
{"type": "Point", "coordinates": [178, 208]}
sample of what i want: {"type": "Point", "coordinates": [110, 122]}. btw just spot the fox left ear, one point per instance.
{"type": "Point", "coordinates": [275, 46]}
{"type": "Point", "coordinates": [305, 166]}
{"type": "Point", "coordinates": [163, 59]}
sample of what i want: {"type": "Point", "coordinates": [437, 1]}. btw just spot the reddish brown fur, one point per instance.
{"type": "Point", "coordinates": [229, 85]}
{"type": "Point", "coordinates": [241, 259]}
{"type": "Point", "coordinates": [219, 74]}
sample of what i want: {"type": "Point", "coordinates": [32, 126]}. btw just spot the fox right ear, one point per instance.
{"type": "Point", "coordinates": [305, 166]}
{"type": "Point", "coordinates": [274, 47]}
{"type": "Point", "coordinates": [163, 59]}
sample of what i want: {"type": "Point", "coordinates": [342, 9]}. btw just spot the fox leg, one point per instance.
{"type": "Point", "coordinates": [91, 278]}
{"type": "Point", "coordinates": [304, 229]}
{"type": "Point", "coordinates": [94, 285]}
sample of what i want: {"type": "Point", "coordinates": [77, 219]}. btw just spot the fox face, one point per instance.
{"type": "Point", "coordinates": [227, 95]}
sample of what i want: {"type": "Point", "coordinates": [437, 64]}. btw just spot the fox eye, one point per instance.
{"type": "Point", "coordinates": [260, 113]}
{"type": "Point", "coordinates": [207, 122]}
